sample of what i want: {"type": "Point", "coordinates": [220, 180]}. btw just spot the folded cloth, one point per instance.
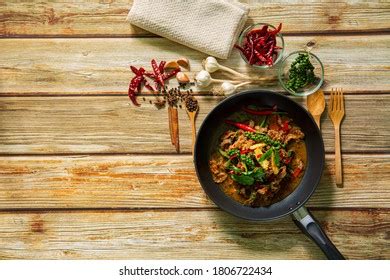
{"type": "Point", "coordinates": [209, 26]}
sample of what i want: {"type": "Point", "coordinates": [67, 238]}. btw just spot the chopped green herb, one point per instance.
{"type": "Point", "coordinates": [301, 73]}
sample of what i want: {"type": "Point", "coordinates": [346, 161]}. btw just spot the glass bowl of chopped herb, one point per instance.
{"type": "Point", "coordinates": [301, 73]}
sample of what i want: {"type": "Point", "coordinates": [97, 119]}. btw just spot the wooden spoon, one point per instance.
{"type": "Point", "coordinates": [192, 116]}
{"type": "Point", "coordinates": [316, 105]}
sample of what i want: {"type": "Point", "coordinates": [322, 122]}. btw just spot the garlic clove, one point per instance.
{"type": "Point", "coordinates": [183, 62]}
{"type": "Point", "coordinates": [211, 64]}
{"type": "Point", "coordinates": [171, 65]}
{"type": "Point", "coordinates": [182, 78]}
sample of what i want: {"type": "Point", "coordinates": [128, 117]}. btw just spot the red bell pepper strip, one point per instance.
{"type": "Point", "coordinates": [285, 127]}
{"type": "Point", "coordinates": [233, 156]}
{"type": "Point", "coordinates": [296, 172]}
{"type": "Point", "coordinates": [241, 126]}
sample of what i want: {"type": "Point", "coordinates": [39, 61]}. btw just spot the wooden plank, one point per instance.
{"type": "Point", "coordinates": [162, 181]}
{"type": "Point", "coordinates": [82, 124]}
{"type": "Point", "coordinates": [209, 234]}
{"type": "Point", "coordinates": [101, 66]}
{"type": "Point", "coordinates": [107, 17]}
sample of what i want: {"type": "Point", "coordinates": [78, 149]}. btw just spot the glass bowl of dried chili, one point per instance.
{"type": "Point", "coordinates": [261, 45]}
{"type": "Point", "coordinates": [301, 73]}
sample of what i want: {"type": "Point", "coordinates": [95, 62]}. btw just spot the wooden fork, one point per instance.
{"type": "Point", "coordinates": [336, 114]}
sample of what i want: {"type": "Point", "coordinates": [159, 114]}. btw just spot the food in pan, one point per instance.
{"type": "Point", "coordinates": [260, 157]}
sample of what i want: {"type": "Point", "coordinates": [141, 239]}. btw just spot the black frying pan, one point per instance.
{"type": "Point", "coordinates": [207, 141]}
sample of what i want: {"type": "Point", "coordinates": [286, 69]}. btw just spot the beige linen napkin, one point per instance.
{"type": "Point", "coordinates": [209, 26]}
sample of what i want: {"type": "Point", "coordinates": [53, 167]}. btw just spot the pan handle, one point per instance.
{"type": "Point", "coordinates": [306, 222]}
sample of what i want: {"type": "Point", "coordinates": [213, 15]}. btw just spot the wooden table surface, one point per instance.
{"type": "Point", "coordinates": [84, 174]}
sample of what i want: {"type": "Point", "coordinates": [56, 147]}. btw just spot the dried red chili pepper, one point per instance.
{"type": "Point", "coordinates": [241, 126]}
{"type": "Point", "coordinates": [134, 85]}
{"type": "Point", "coordinates": [259, 46]}
{"type": "Point", "coordinates": [169, 75]}
{"type": "Point", "coordinates": [148, 85]}
{"type": "Point", "coordinates": [138, 72]}
{"type": "Point", "coordinates": [161, 66]}
{"type": "Point", "coordinates": [260, 31]}
{"type": "Point", "coordinates": [150, 74]}
{"type": "Point", "coordinates": [239, 48]}
{"type": "Point", "coordinates": [158, 76]}
{"type": "Point", "coordinates": [157, 73]}
{"type": "Point", "coordinates": [277, 30]}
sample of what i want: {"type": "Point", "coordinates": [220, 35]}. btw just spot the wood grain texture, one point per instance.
{"type": "Point", "coordinates": [82, 124]}
{"type": "Point", "coordinates": [162, 181]}
{"type": "Point", "coordinates": [107, 17]}
{"type": "Point", "coordinates": [101, 66]}
{"type": "Point", "coordinates": [208, 234]}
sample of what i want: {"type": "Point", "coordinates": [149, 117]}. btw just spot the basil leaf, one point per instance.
{"type": "Point", "coordinates": [243, 179]}
{"type": "Point", "coordinates": [234, 168]}
{"type": "Point", "coordinates": [258, 174]}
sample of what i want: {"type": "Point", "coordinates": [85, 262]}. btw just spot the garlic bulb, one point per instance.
{"type": "Point", "coordinates": [203, 78]}
{"type": "Point", "coordinates": [211, 64]}
{"type": "Point", "coordinates": [227, 88]}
